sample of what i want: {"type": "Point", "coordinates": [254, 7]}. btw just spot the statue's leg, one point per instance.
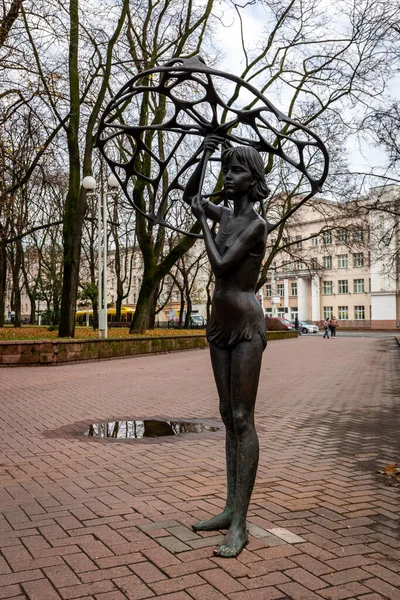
{"type": "Point", "coordinates": [245, 365]}
{"type": "Point", "coordinates": [221, 363]}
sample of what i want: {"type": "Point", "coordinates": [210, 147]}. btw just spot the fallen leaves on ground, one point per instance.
{"type": "Point", "coordinates": [392, 472]}
{"type": "Point", "coordinates": [27, 332]}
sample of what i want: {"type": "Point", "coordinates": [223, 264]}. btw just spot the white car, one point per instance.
{"type": "Point", "coordinates": [198, 322]}
{"type": "Point", "coordinates": [305, 327]}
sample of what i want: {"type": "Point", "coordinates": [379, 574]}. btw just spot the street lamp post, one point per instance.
{"type": "Point", "coordinates": [89, 183]}
{"type": "Point", "coordinates": [274, 299]}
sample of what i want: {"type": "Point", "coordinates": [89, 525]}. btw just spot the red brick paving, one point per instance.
{"type": "Point", "coordinates": [86, 519]}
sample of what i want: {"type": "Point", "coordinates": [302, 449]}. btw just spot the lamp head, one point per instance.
{"type": "Point", "coordinates": [89, 183]}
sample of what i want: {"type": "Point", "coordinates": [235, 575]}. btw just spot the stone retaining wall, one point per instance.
{"type": "Point", "coordinates": [56, 352]}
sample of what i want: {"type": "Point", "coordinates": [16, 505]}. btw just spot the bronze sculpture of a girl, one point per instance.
{"type": "Point", "coordinates": [236, 331]}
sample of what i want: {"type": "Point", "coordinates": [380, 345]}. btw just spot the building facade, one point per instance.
{"type": "Point", "coordinates": [338, 266]}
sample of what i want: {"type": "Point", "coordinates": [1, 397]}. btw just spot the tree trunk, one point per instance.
{"type": "Point", "coordinates": [32, 298]}
{"type": "Point", "coordinates": [95, 321]}
{"type": "Point", "coordinates": [74, 204]}
{"type": "Point", "coordinates": [188, 311]}
{"type": "Point", "coordinates": [16, 290]}
{"type": "Point", "coordinates": [145, 313]}
{"type": "Point", "coordinates": [181, 309]}
{"type": "Point", "coordinates": [8, 20]}
{"type": "Point", "coordinates": [118, 306]}
{"type": "Point", "coordinates": [72, 250]}
{"type": "Point", "coordinates": [3, 274]}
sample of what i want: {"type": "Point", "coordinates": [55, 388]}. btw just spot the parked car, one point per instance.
{"type": "Point", "coordinates": [306, 327]}
{"type": "Point", "coordinates": [287, 324]}
{"type": "Point", "coordinates": [197, 322]}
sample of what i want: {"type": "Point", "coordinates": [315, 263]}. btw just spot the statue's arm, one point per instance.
{"type": "Point", "coordinates": [195, 182]}
{"type": "Point", "coordinates": [192, 186]}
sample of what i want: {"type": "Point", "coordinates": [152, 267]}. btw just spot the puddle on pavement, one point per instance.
{"type": "Point", "coordinates": [135, 429]}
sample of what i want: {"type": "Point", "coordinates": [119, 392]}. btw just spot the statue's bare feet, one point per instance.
{"type": "Point", "coordinates": [221, 521]}
{"type": "Point", "coordinates": [234, 542]}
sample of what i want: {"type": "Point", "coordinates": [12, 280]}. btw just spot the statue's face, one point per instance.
{"type": "Point", "coordinates": [237, 178]}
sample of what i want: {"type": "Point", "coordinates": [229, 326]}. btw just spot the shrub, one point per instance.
{"type": "Point", "coordinates": [272, 324]}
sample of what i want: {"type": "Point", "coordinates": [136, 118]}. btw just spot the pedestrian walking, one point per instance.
{"type": "Point", "coordinates": [297, 326]}
{"type": "Point", "coordinates": [333, 323]}
{"type": "Point", "coordinates": [326, 327]}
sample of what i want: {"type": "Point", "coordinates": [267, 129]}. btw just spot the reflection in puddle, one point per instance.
{"type": "Point", "coordinates": [129, 430]}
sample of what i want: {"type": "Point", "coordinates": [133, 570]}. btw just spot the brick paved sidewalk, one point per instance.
{"type": "Point", "coordinates": [86, 519]}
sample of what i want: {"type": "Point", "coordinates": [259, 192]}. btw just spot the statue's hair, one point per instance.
{"type": "Point", "coordinates": [249, 156]}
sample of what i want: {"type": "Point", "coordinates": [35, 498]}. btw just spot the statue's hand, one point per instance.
{"type": "Point", "coordinates": [211, 142]}
{"type": "Point", "coordinates": [198, 205]}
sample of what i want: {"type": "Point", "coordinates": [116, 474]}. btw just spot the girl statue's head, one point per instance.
{"type": "Point", "coordinates": [249, 157]}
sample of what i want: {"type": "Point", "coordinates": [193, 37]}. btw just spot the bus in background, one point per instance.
{"type": "Point", "coordinates": [84, 317]}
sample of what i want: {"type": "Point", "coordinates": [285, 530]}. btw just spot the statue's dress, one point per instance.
{"type": "Point", "coordinates": [236, 314]}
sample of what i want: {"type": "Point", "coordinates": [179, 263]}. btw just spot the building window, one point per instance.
{"type": "Point", "coordinates": [327, 262]}
{"type": "Point", "coordinates": [359, 312]}
{"type": "Point", "coordinates": [327, 287]}
{"type": "Point", "coordinates": [293, 289]}
{"type": "Point", "coordinates": [359, 286]}
{"type": "Point", "coordinates": [343, 313]}
{"type": "Point", "coordinates": [342, 236]}
{"type": "Point", "coordinates": [343, 286]}
{"type": "Point", "coordinates": [358, 259]}
{"type": "Point", "coordinates": [299, 242]}
{"type": "Point", "coordinates": [328, 312]}
{"type": "Point", "coordinates": [327, 238]}
{"type": "Point", "coordinates": [268, 312]}
{"type": "Point", "coordinates": [268, 290]}
{"type": "Point", "coordinates": [281, 312]}
{"type": "Point", "coordinates": [281, 290]}
{"type": "Point", "coordinates": [294, 312]}
{"type": "Point", "coordinates": [342, 261]}
{"type": "Point", "coordinates": [314, 240]}
{"type": "Point", "coordinates": [358, 235]}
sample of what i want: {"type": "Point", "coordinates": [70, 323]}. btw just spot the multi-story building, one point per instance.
{"type": "Point", "coordinates": [338, 266]}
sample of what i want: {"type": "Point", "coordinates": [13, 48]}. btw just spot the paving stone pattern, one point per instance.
{"type": "Point", "coordinates": [83, 518]}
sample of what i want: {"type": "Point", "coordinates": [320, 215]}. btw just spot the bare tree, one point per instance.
{"type": "Point", "coordinates": [65, 101]}
{"type": "Point", "coordinates": [10, 15]}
